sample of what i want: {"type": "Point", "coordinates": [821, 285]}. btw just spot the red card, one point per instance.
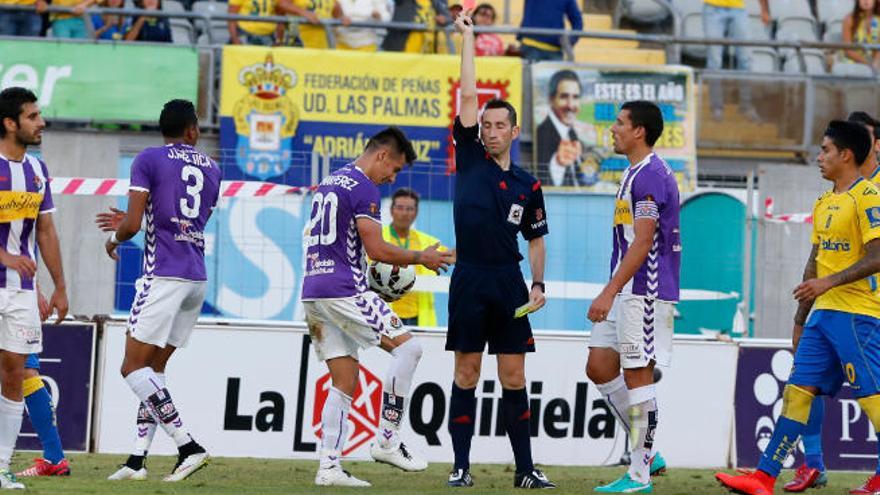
{"type": "Point", "coordinates": [469, 4]}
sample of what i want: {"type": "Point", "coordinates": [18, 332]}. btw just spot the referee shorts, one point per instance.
{"type": "Point", "coordinates": [482, 301]}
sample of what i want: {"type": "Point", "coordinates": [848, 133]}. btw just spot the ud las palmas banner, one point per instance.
{"type": "Point", "coordinates": [277, 103]}
{"type": "Point", "coordinates": [576, 105]}
{"type": "Point", "coordinates": [100, 81]}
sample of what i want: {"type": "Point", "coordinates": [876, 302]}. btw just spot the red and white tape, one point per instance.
{"type": "Point", "coordinates": [784, 218]}
{"type": "Point", "coordinates": [81, 186]}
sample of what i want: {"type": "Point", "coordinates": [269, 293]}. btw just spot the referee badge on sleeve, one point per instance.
{"type": "Point", "coordinates": [515, 215]}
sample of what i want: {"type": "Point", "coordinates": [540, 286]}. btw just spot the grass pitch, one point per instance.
{"type": "Point", "coordinates": [259, 476]}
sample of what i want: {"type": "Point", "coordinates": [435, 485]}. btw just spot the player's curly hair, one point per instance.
{"type": "Point", "coordinates": [176, 117]}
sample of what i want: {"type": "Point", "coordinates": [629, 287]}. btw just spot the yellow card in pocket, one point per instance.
{"type": "Point", "coordinates": [523, 310]}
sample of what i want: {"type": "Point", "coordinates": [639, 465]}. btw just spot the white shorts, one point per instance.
{"type": "Point", "coordinates": [21, 331]}
{"type": "Point", "coordinates": [630, 330]}
{"type": "Point", "coordinates": [341, 327]}
{"type": "Point", "coordinates": [165, 310]}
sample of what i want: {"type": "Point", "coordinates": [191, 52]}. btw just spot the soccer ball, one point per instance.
{"type": "Point", "coordinates": [390, 281]}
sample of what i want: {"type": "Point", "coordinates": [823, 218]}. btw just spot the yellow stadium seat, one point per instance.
{"type": "Point", "coordinates": [625, 56]}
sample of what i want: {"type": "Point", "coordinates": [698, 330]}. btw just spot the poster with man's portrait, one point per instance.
{"type": "Point", "coordinates": [575, 107]}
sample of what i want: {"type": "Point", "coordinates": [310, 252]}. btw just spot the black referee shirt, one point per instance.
{"type": "Point", "coordinates": [492, 205]}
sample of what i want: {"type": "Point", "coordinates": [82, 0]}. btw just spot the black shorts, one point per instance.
{"type": "Point", "coordinates": [481, 306]}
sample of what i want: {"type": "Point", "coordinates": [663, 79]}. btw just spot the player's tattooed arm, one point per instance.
{"type": "Point", "coordinates": [804, 307]}
{"type": "Point", "coordinates": [867, 266]}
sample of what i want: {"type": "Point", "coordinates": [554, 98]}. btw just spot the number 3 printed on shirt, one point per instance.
{"type": "Point", "coordinates": [192, 190]}
{"type": "Point", "coordinates": [323, 216]}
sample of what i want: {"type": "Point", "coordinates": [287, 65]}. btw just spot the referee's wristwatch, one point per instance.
{"type": "Point", "coordinates": [541, 285]}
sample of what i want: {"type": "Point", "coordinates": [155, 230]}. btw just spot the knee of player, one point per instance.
{"type": "Point", "coordinates": [598, 372]}
{"type": "Point", "coordinates": [467, 377]}
{"type": "Point", "coordinates": [412, 348]}
{"type": "Point", "coordinates": [512, 379]}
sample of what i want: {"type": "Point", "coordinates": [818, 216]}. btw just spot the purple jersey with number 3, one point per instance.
{"type": "Point", "coordinates": [335, 261]}
{"type": "Point", "coordinates": [184, 185]}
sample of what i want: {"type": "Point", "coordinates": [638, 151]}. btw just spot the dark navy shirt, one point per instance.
{"type": "Point", "coordinates": [492, 205]}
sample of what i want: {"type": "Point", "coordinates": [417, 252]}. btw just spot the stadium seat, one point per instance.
{"type": "Point", "coordinates": [625, 56]}
{"type": "Point", "coordinates": [764, 60]}
{"type": "Point", "coordinates": [813, 63]}
{"type": "Point", "coordinates": [691, 12]}
{"type": "Point", "coordinates": [172, 6]}
{"type": "Point", "coordinates": [833, 32]}
{"type": "Point", "coordinates": [757, 29]}
{"type": "Point", "coordinates": [219, 29]}
{"type": "Point", "coordinates": [181, 32]}
{"type": "Point", "coordinates": [830, 11]}
{"type": "Point", "coordinates": [852, 69]}
{"type": "Point", "coordinates": [641, 11]}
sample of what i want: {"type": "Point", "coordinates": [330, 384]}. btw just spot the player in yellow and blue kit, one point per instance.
{"type": "Point", "coordinates": [839, 284]}
{"type": "Point", "coordinates": [812, 473]}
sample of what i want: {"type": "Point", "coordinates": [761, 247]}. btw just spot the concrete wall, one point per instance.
{"type": "Point", "coordinates": [89, 271]}
{"type": "Point", "coordinates": [783, 249]}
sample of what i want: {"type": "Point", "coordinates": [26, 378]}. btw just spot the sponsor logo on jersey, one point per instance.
{"type": "Point", "coordinates": [835, 245]}
{"type": "Point", "coordinates": [515, 214]}
{"type": "Point", "coordinates": [873, 214]}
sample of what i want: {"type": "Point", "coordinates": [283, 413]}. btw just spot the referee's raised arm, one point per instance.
{"type": "Point", "coordinates": [468, 104]}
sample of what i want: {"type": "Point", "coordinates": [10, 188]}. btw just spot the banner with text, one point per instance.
{"type": "Point", "coordinates": [848, 439]}
{"type": "Point", "coordinates": [278, 102]}
{"type": "Point", "coordinates": [576, 105]}
{"type": "Point", "coordinates": [267, 402]}
{"type": "Point", "coordinates": [100, 81]}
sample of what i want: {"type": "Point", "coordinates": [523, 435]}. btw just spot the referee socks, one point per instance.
{"type": "Point", "coordinates": [462, 411]}
{"type": "Point", "coordinates": [515, 404]}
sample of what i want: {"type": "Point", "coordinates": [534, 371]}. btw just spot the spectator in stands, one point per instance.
{"type": "Point", "coordinates": [70, 25]}
{"type": "Point", "coordinates": [313, 34]}
{"type": "Point", "coordinates": [454, 10]}
{"type": "Point", "coordinates": [146, 28]}
{"type": "Point", "coordinates": [21, 22]}
{"type": "Point", "coordinates": [251, 32]}
{"type": "Point", "coordinates": [729, 19]}
{"type": "Point", "coordinates": [432, 13]}
{"type": "Point", "coordinates": [548, 14]}
{"type": "Point", "coordinates": [109, 26]}
{"type": "Point", "coordinates": [415, 308]}
{"type": "Point", "coordinates": [862, 26]}
{"type": "Point", "coordinates": [362, 39]}
{"type": "Point", "coordinates": [487, 44]}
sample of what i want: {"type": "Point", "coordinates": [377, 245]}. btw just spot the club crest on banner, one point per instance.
{"type": "Point", "coordinates": [266, 119]}
{"type": "Point", "coordinates": [363, 417]}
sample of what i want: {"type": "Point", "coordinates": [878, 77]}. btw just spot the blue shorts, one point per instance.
{"type": "Point", "coordinates": [482, 302]}
{"type": "Point", "coordinates": [838, 346]}
{"type": "Point", "coordinates": [32, 362]}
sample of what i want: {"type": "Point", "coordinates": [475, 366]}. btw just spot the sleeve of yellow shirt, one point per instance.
{"type": "Point", "coordinates": [868, 203]}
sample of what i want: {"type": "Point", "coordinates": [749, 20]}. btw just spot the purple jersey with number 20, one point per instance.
{"type": "Point", "coordinates": [184, 185]}
{"type": "Point", "coordinates": [335, 261]}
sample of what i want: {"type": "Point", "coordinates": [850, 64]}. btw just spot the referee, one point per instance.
{"type": "Point", "coordinates": [494, 201]}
